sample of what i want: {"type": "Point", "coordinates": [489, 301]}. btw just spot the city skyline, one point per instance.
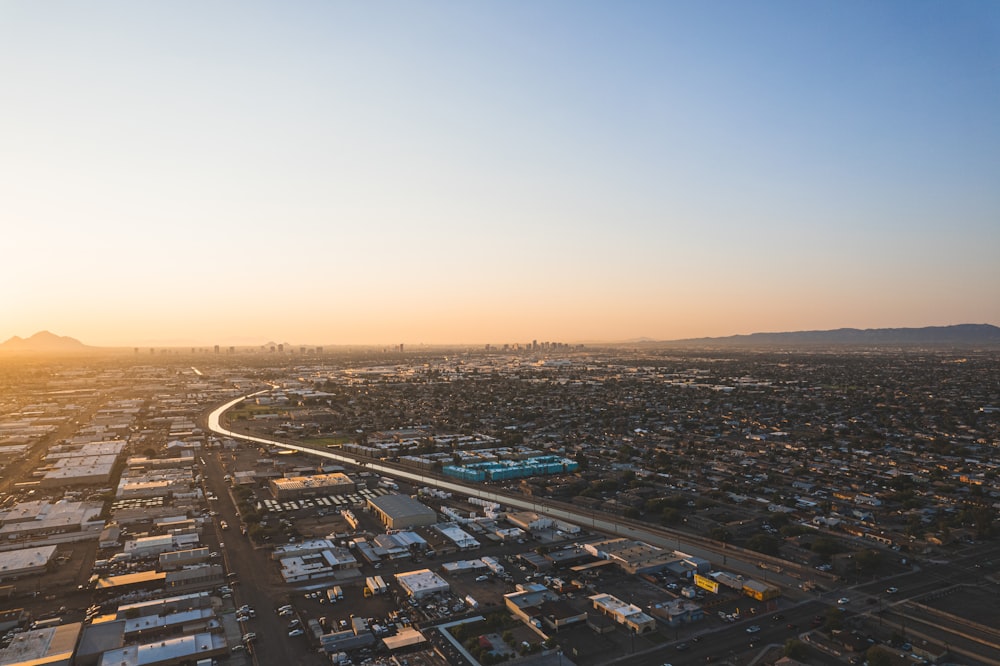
{"type": "Point", "coordinates": [332, 173]}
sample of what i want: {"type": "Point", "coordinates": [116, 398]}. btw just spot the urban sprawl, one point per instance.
{"type": "Point", "coordinates": [539, 504]}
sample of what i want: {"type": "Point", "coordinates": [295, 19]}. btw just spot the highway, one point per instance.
{"type": "Point", "coordinates": [735, 560]}
{"type": "Point", "coordinates": [730, 644]}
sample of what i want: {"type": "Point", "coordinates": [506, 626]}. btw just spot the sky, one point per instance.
{"type": "Point", "coordinates": [494, 172]}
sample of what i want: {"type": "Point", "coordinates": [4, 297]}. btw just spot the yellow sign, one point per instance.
{"type": "Point", "coordinates": [706, 584]}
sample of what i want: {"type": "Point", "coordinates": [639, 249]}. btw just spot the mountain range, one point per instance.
{"type": "Point", "coordinates": [959, 334]}
{"type": "Point", "coordinates": [43, 341]}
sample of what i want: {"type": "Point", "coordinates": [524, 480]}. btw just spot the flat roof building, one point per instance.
{"type": "Point", "coordinates": [84, 470]}
{"type": "Point", "coordinates": [422, 583]}
{"type": "Point", "coordinates": [295, 487]}
{"type": "Point", "coordinates": [27, 519]}
{"type": "Point", "coordinates": [52, 646]}
{"type": "Point", "coordinates": [183, 649]}
{"type": "Point", "coordinates": [402, 511]}
{"type": "Point", "coordinates": [462, 539]}
{"type": "Point", "coordinates": [24, 562]}
{"type": "Point", "coordinates": [633, 556]}
{"type": "Point", "coordinates": [623, 613]}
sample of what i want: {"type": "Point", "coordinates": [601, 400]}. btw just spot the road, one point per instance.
{"type": "Point", "coordinates": [257, 585]}
{"type": "Point", "coordinates": [734, 560]}
{"type": "Point", "coordinates": [731, 643]}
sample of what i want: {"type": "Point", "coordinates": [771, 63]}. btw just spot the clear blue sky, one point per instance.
{"type": "Point", "coordinates": [333, 172]}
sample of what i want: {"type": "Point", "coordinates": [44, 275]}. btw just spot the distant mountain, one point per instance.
{"type": "Point", "coordinates": [43, 341]}
{"type": "Point", "coordinates": [959, 334]}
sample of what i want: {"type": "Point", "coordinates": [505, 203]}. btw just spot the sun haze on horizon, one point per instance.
{"type": "Point", "coordinates": [343, 173]}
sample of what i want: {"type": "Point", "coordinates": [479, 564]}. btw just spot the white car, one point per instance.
{"type": "Point", "coordinates": [296, 632]}
{"type": "Point", "coordinates": [843, 600]}
{"type": "Point", "coordinates": [753, 629]}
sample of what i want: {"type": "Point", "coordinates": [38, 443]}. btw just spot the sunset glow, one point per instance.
{"type": "Point", "coordinates": [350, 173]}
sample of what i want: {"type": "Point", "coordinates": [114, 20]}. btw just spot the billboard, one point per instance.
{"type": "Point", "coordinates": [706, 583]}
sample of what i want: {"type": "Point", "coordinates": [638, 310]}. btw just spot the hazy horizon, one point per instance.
{"type": "Point", "coordinates": [191, 174]}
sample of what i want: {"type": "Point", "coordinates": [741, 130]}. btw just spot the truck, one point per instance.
{"type": "Point", "coordinates": [334, 594]}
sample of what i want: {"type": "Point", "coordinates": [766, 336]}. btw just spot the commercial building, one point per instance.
{"type": "Point", "coordinates": [317, 565]}
{"type": "Point", "coordinates": [346, 640]}
{"type": "Point", "coordinates": [52, 646]}
{"type": "Point", "coordinates": [625, 614]}
{"type": "Point", "coordinates": [560, 614]}
{"type": "Point", "coordinates": [154, 546]}
{"type": "Point", "coordinates": [25, 562]}
{"type": "Point", "coordinates": [462, 539]}
{"type": "Point", "coordinates": [296, 487]}
{"type": "Point", "coordinates": [87, 464]}
{"type": "Point", "coordinates": [528, 520]}
{"type": "Point", "coordinates": [98, 638]}
{"type": "Point", "coordinates": [402, 511]}
{"type": "Point", "coordinates": [536, 605]}
{"type": "Point", "coordinates": [421, 583]}
{"type": "Point", "coordinates": [178, 559]}
{"type": "Point", "coordinates": [505, 470]}
{"type": "Point", "coordinates": [676, 612]}
{"type": "Point", "coordinates": [301, 549]}
{"type": "Point", "coordinates": [166, 605]}
{"type": "Point", "coordinates": [760, 591]}
{"type": "Point", "coordinates": [195, 578]}
{"type": "Point", "coordinates": [171, 652]}
{"type": "Point", "coordinates": [634, 557]}
{"type": "Point", "coordinates": [143, 580]}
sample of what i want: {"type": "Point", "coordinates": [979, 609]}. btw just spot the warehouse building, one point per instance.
{"type": "Point", "coordinates": [421, 583]}
{"type": "Point", "coordinates": [296, 487]}
{"type": "Point", "coordinates": [178, 559]}
{"type": "Point", "coordinates": [634, 557]}
{"type": "Point", "coordinates": [25, 562]}
{"type": "Point", "coordinates": [91, 470]}
{"type": "Point", "coordinates": [629, 615]}
{"type": "Point", "coordinates": [39, 518]}
{"type": "Point", "coordinates": [402, 511]}
{"type": "Point", "coordinates": [184, 649]}
{"type": "Point", "coordinates": [52, 646]}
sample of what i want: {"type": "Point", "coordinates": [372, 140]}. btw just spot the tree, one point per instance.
{"type": "Point", "coordinates": [721, 534]}
{"type": "Point", "coordinates": [670, 516]}
{"type": "Point", "coordinates": [825, 547]}
{"type": "Point", "coordinates": [796, 649]}
{"type": "Point", "coordinates": [868, 560]}
{"type": "Point", "coordinates": [876, 656]}
{"type": "Point", "coordinates": [764, 543]}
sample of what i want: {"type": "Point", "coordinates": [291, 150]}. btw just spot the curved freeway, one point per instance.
{"type": "Point", "coordinates": [622, 527]}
